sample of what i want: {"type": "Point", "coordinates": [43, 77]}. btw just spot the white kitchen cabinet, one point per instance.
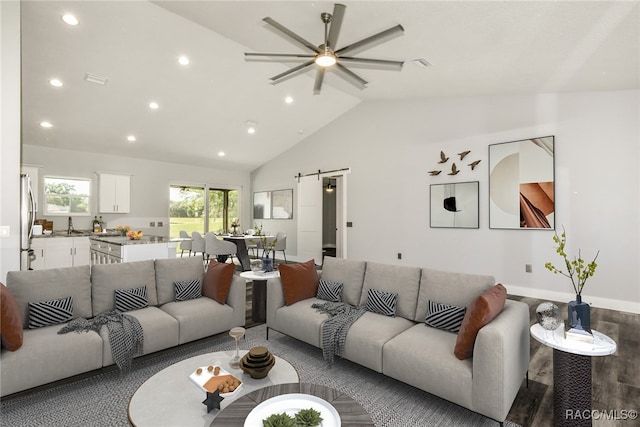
{"type": "Point", "coordinates": [57, 252]}
{"type": "Point", "coordinates": [33, 172]}
{"type": "Point", "coordinates": [114, 193]}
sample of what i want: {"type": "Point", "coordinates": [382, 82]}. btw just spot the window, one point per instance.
{"type": "Point", "coordinates": [67, 196]}
{"type": "Point", "coordinates": [189, 212]}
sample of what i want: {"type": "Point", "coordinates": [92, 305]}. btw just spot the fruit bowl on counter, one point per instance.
{"type": "Point", "coordinates": [134, 235]}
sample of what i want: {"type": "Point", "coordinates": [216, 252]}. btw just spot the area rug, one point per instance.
{"type": "Point", "coordinates": [102, 399]}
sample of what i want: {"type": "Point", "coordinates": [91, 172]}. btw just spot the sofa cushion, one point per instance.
{"type": "Point", "coordinates": [131, 299]}
{"type": "Point", "coordinates": [449, 288]}
{"type": "Point", "coordinates": [481, 311]}
{"type": "Point", "coordinates": [330, 291]}
{"type": "Point", "coordinates": [200, 318]}
{"type": "Point", "coordinates": [106, 278]}
{"type": "Point", "coordinates": [348, 272]}
{"type": "Point", "coordinates": [382, 302]}
{"type": "Point", "coordinates": [217, 281]}
{"type": "Point", "coordinates": [47, 313]}
{"type": "Point", "coordinates": [403, 280]}
{"type": "Point", "coordinates": [53, 283]}
{"type": "Point", "coordinates": [10, 320]}
{"type": "Point", "coordinates": [299, 281]}
{"type": "Point", "coordinates": [444, 316]}
{"type": "Point", "coordinates": [188, 289]}
{"type": "Point", "coordinates": [169, 271]}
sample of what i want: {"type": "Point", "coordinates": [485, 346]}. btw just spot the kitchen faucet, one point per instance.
{"type": "Point", "coordinates": [70, 228]}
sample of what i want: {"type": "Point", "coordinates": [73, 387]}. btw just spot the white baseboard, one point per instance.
{"type": "Point", "coordinates": [608, 303]}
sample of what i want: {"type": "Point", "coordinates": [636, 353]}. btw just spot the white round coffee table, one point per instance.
{"type": "Point", "coordinates": [169, 398]}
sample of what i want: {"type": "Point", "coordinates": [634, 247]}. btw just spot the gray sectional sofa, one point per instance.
{"type": "Point", "coordinates": [46, 356]}
{"type": "Point", "coordinates": [404, 347]}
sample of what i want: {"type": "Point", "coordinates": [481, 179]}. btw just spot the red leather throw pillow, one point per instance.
{"type": "Point", "coordinates": [479, 313]}
{"type": "Point", "coordinates": [217, 281]}
{"type": "Point", "coordinates": [10, 320]}
{"type": "Point", "coordinates": [299, 281]}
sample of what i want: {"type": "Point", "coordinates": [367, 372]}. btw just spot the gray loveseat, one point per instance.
{"type": "Point", "coordinates": [46, 356]}
{"type": "Point", "coordinates": [404, 347]}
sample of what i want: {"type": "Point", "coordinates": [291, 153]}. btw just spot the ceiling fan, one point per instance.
{"type": "Point", "coordinates": [326, 56]}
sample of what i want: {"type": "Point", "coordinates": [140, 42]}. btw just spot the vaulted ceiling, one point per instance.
{"type": "Point", "coordinates": [474, 48]}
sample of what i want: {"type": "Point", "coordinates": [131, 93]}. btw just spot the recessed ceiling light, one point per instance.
{"type": "Point", "coordinates": [131, 138]}
{"type": "Point", "coordinates": [46, 124]}
{"type": "Point", "coordinates": [251, 130]}
{"type": "Point", "coordinates": [301, 131]}
{"type": "Point", "coordinates": [55, 82]}
{"type": "Point", "coordinates": [70, 19]}
{"type": "Point", "coordinates": [183, 60]}
{"type": "Point", "coordinates": [288, 100]}
{"type": "Point", "coordinates": [153, 105]}
{"type": "Point", "coordinates": [221, 153]}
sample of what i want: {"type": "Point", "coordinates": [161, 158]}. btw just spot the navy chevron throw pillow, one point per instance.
{"type": "Point", "coordinates": [131, 299]}
{"type": "Point", "coordinates": [445, 316]}
{"type": "Point", "coordinates": [382, 302]}
{"type": "Point", "coordinates": [48, 313]}
{"type": "Point", "coordinates": [188, 289]}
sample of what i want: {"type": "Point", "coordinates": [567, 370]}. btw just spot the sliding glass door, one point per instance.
{"type": "Point", "coordinates": [223, 209]}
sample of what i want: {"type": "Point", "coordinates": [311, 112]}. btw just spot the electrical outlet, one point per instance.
{"type": "Point", "coordinates": [159, 223]}
{"type": "Point", "coordinates": [349, 224]}
{"type": "Point", "coordinates": [152, 224]}
{"type": "Point", "coordinates": [399, 255]}
{"type": "Point", "coordinates": [528, 268]}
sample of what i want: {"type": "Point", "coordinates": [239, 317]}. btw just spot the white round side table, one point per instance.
{"type": "Point", "coordinates": [572, 373]}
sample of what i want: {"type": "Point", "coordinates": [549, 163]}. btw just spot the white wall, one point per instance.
{"type": "Point", "coordinates": [10, 135]}
{"type": "Point", "coordinates": [391, 145]}
{"type": "Point", "coordinates": [150, 182]}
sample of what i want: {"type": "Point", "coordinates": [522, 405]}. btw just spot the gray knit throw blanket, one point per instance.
{"type": "Point", "coordinates": [335, 329]}
{"type": "Point", "coordinates": [125, 334]}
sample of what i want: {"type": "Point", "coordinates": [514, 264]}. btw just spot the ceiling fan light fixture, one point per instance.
{"type": "Point", "coordinates": [326, 59]}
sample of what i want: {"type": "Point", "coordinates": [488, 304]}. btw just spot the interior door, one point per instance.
{"type": "Point", "coordinates": [310, 218]}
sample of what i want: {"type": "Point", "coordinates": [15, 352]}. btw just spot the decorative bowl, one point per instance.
{"type": "Point", "coordinates": [257, 362]}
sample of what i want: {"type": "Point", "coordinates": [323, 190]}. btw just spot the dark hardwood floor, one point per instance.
{"type": "Point", "coordinates": [616, 378]}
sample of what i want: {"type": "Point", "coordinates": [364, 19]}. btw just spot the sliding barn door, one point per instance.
{"type": "Point", "coordinates": [310, 218]}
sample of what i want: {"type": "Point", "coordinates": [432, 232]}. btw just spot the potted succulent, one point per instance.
{"type": "Point", "coordinates": [578, 272]}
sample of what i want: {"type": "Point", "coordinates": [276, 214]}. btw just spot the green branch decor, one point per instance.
{"type": "Point", "coordinates": [576, 270]}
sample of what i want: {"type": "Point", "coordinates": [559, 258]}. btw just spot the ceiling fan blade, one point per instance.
{"type": "Point", "coordinates": [292, 35]}
{"type": "Point", "coordinates": [380, 37]}
{"type": "Point", "coordinates": [350, 76]}
{"type": "Point", "coordinates": [336, 23]}
{"type": "Point", "coordinates": [281, 77]}
{"type": "Point", "coordinates": [318, 83]}
{"type": "Point", "coordinates": [278, 55]}
{"type": "Point", "coordinates": [373, 63]}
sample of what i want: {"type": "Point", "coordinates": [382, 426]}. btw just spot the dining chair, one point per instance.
{"type": "Point", "coordinates": [185, 245]}
{"type": "Point", "coordinates": [219, 249]}
{"type": "Point", "coordinates": [197, 243]}
{"type": "Point", "coordinates": [281, 245]}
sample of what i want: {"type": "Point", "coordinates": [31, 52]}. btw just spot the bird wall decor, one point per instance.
{"type": "Point", "coordinates": [443, 157]}
{"type": "Point", "coordinates": [434, 173]}
{"type": "Point", "coordinates": [474, 164]}
{"type": "Point", "coordinates": [454, 170]}
{"type": "Point", "coordinates": [464, 154]}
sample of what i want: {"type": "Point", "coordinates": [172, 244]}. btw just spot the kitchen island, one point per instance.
{"type": "Point", "coordinates": [109, 250]}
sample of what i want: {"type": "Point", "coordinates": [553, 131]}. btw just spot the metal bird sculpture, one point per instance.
{"type": "Point", "coordinates": [443, 158]}
{"type": "Point", "coordinates": [464, 154]}
{"type": "Point", "coordinates": [434, 173]}
{"type": "Point", "coordinates": [474, 164]}
{"type": "Point", "coordinates": [454, 170]}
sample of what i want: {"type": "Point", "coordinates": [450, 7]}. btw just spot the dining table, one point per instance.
{"type": "Point", "coordinates": [241, 243]}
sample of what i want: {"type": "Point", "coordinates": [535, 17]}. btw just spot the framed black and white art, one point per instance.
{"type": "Point", "coordinates": [454, 205]}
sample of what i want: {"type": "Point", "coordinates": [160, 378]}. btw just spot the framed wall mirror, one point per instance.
{"type": "Point", "coordinates": [454, 205]}
{"type": "Point", "coordinates": [522, 184]}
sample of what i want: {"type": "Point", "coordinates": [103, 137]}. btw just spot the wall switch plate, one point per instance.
{"type": "Point", "coordinates": [528, 268]}
{"type": "Point", "coordinates": [399, 255]}
{"type": "Point", "coordinates": [159, 223]}
{"type": "Point", "coordinates": [349, 224]}
{"type": "Point", "coordinates": [152, 224]}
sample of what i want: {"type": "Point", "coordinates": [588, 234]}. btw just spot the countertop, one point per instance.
{"type": "Point", "coordinates": [119, 240]}
{"type": "Point", "coordinates": [77, 233]}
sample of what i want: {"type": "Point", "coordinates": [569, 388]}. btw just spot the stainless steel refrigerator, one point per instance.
{"type": "Point", "coordinates": [27, 219]}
